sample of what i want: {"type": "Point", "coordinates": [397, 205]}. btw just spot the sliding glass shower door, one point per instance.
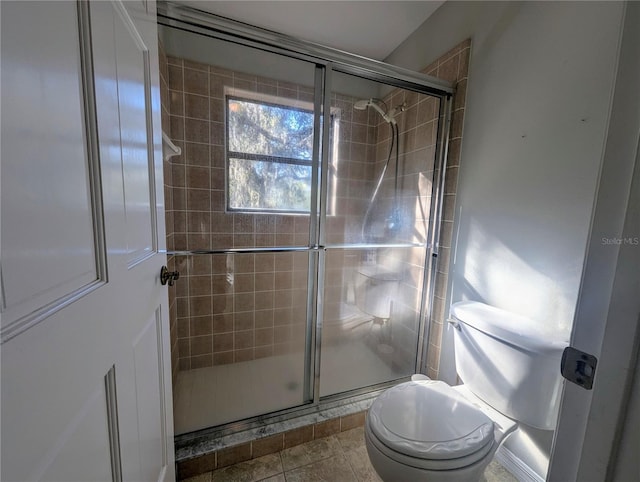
{"type": "Point", "coordinates": [242, 195]}
{"type": "Point", "coordinates": [299, 216]}
{"type": "Point", "coordinates": [376, 232]}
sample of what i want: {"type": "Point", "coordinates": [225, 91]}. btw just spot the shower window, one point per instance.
{"type": "Point", "coordinates": [269, 154]}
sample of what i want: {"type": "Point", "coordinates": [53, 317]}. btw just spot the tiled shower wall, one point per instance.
{"type": "Point", "coordinates": [452, 66]}
{"type": "Point", "coordinates": [219, 320]}
{"type": "Point", "coordinates": [239, 307]}
{"type": "Point", "coordinates": [418, 137]}
{"type": "Point", "coordinates": [418, 130]}
{"type": "Point", "coordinates": [417, 126]}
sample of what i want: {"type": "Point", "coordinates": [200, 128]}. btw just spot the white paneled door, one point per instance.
{"type": "Point", "coordinates": [85, 374]}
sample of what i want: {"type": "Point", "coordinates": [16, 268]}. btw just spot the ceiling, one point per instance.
{"type": "Point", "coordinates": [369, 28]}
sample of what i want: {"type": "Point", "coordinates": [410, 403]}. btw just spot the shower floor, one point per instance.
{"type": "Point", "coordinates": [206, 397]}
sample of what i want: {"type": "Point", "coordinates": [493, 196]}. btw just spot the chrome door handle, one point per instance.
{"type": "Point", "coordinates": [167, 276]}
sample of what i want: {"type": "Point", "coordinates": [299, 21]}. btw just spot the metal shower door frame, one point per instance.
{"type": "Point", "coordinates": [326, 61]}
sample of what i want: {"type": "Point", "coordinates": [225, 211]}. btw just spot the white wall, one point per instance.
{"type": "Point", "coordinates": [538, 102]}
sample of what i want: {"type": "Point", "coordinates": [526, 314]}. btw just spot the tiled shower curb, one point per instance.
{"type": "Point", "coordinates": [204, 454]}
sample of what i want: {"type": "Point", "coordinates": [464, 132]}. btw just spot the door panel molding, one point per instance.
{"type": "Point", "coordinates": [150, 151]}
{"type": "Point", "coordinates": [92, 139]}
{"type": "Point", "coordinates": [33, 307]}
{"type": "Point", "coordinates": [21, 325]}
{"type": "Point", "coordinates": [162, 390]}
{"type": "Point", "coordinates": [112, 419]}
{"type": "Point", "coordinates": [134, 83]}
{"type": "Point", "coordinates": [151, 412]}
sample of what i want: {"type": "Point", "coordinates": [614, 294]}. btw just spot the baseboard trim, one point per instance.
{"type": "Point", "coordinates": [517, 467]}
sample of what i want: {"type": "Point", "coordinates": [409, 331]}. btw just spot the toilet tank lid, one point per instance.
{"type": "Point", "coordinates": [509, 327]}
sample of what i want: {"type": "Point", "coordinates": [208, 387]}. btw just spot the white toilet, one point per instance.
{"type": "Point", "coordinates": [426, 430]}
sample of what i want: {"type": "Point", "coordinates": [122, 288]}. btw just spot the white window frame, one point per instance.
{"type": "Point", "coordinates": [286, 102]}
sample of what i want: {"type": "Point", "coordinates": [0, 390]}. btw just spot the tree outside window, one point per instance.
{"type": "Point", "coordinates": [269, 156]}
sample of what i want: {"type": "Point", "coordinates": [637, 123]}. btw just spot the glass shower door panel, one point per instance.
{"type": "Point", "coordinates": [370, 320]}
{"type": "Point", "coordinates": [376, 232]}
{"type": "Point", "coordinates": [242, 330]}
{"type": "Point", "coordinates": [381, 163]}
{"type": "Point", "coordinates": [240, 198]}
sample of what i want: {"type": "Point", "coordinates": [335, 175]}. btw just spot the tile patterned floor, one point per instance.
{"type": "Point", "coordinates": [337, 458]}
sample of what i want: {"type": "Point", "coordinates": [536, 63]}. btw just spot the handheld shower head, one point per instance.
{"type": "Point", "coordinates": [362, 104]}
{"type": "Point", "coordinates": [375, 104]}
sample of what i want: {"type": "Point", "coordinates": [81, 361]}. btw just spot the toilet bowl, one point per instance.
{"type": "Point", "coordinates": [427, 430]}
{"type": "Point", "coordinates": [410, 436]}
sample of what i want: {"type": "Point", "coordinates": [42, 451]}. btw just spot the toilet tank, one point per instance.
{"type": "Point", "coordinates": [510, 362]}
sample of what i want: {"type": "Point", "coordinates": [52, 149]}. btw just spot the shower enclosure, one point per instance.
{"type": "Point", "coordinates": [303, 217]}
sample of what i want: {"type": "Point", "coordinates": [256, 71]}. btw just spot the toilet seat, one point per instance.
{"type": "Point", "coordinates": [412, 424]}
{"type": "Point", "coordinates": [427, 464]}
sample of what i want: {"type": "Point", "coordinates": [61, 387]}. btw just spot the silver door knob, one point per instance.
{"type": "Point", "coordinates": [167, 276]}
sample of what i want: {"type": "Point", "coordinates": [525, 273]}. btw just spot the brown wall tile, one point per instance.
{"type": "Point", "coordinates": [244, 354]}
{"type": "Point", "coordinates": [223, 323]}
{"type": "Point", "coordinates": [267, 445]}
{"type": "Point", "coordinates": [223, 358]}
{"type": "Point", "coordinates": [223, 342]}
{"type": "Point", "coordinates": [201, 345]}
{"type": "Point", "coordinates": [233, 455]}
{"type": "Point", "coordinates": [298, 436]}
{"type": "Point", "coordinates": [196, 106]}
{"type": "Point", "coordinates": [326, 428]}
{"type": "Point", "coordinates": [352, 421]}
{"type": "Point", "coordinates": [263, 351]}
{"type": "Point", "coordinates": [196, 81]}
{"type": "Point", "coordinates": [196, 466]}
{"type": "Point", "coordinates": [175, 78]}
{"type": "Point", "coordinates": [243, 340]}
{"type": "Point", "coordinates": [195, 130]}
{"type": "Point", "coordinates": [201, 325]}
{"type": "Point", "coordinates": [264, 336]}
{"type": "Point", "coordinates": [197, 154]}
{"type": "Point", "coordinates": [201, 361]}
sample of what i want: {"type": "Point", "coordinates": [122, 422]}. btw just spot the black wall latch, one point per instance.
{"type": "Point", "coordinates": [578, 367]}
